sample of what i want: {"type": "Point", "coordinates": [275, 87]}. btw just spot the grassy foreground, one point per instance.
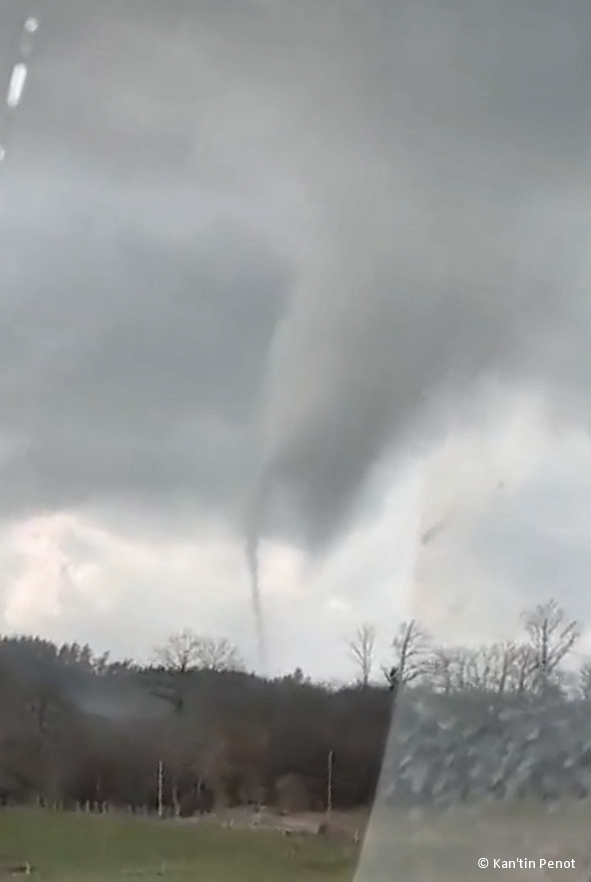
{"type": "Point", "coordinates": [445, 846]}
{"type": "Point", "coordinates": [431, 846]}
{"type": "Point", "coordinates": [110, 848]}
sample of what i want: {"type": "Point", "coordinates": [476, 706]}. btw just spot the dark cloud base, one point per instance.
{"type": "Point", "coordinates": [438, 142]}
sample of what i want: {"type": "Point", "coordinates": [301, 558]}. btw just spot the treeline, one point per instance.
{"type": "Point", "coordinates": [543, 660]}
{"type": "Point", "coordinates": [77, 728]}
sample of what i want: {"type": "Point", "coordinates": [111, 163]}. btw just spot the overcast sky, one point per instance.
{"type": "Point", "coordinates": [322, 265]}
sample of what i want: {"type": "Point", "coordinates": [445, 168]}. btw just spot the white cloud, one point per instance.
{"type": "Point", "coordinates": [485, 485]}
{"type": "Point", "coordinates": [77, 579]}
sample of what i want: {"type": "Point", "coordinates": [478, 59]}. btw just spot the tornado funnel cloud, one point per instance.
{"type": "Point", "coordinates": [252, 559]}
{"type": "Point", "coordinates": [254, 527]}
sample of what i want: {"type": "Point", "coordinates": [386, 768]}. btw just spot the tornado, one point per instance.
{"type": "Point", "coordinates": [253, 534]}
{"type": "Point", "coordinates": [252, 559]}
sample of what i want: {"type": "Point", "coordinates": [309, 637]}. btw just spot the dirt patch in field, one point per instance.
{"type": "Point", "coordinates": [346, 825]}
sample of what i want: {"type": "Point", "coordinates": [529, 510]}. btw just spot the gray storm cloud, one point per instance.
{"type": "Point", "coordinates": [415, 177]}
{"type": "Point", "coordinates": [452, 250]}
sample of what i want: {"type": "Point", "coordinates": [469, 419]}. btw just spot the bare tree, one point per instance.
{"type": "Point", "coordinates": [551, 637]}
{"type": "Point", "coordinates": [498, 667]}
{"type": "Point", "coordinates": [505, 657]}
{"type": "Point", "coordinates": [411, 649]}
{"type": "Point", "coordinates": [479, 668]}
{"type": "Point", "coordinates": [443, 669]}
{"type": "Point", "coordinates": [186, 650]}
{"type": "Point", "coordinates": [362, 651]}
{"type": "Point", "coordinates": [585, 681]}
{"type": "Point", "coordinates": [217, 654]}
{"type": "Point", "coordinates": [521, 673]}
{"type": "Point", "coordinates": [178, 654]}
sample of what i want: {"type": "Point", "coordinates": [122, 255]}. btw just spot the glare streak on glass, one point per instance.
{"type": "Point", "coordinates": [17, 84]}
{"type": "Point", "coordinates": [18, 77]}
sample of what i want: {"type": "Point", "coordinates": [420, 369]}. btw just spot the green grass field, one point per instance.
{"type": "Point", "coordinates": [400, 847]}
{"type": "Point", "coordinates": [110, 848]}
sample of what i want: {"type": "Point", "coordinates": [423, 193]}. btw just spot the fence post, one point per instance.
{"type": "Point", "coordinates": [329, 782]}
{"type": "Point", "coordinates": [160, 788]}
